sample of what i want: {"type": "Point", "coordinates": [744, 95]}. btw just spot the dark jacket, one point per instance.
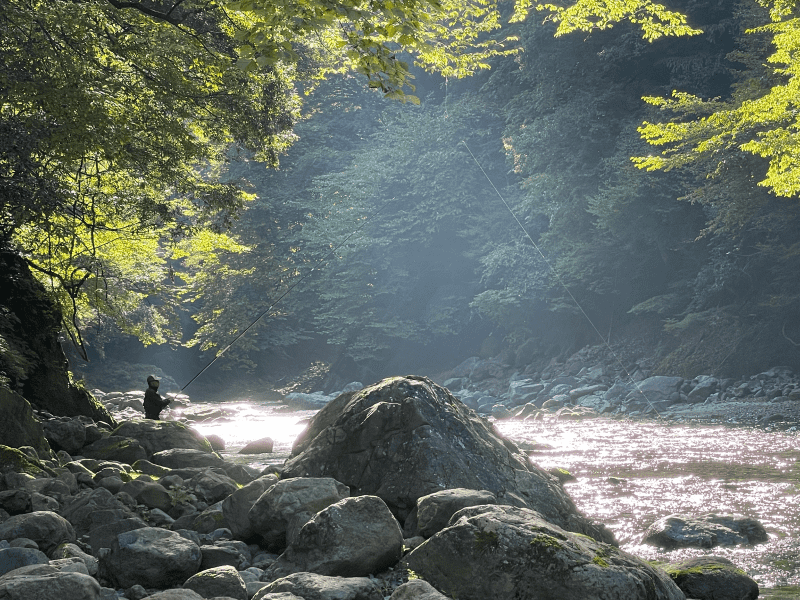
{"type": "Point", "coordinates": [153, 404]}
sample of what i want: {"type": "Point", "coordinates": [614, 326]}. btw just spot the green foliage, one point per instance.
{"type": "Point", "coordinates": [446, 36]}
{"type": "Point", "coordinates": [655, 20]}
{"type": "Point", "coordinates": [760, 118]}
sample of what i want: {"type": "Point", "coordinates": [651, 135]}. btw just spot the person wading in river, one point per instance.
{"type": "Point", "coordinates": [153, 402]}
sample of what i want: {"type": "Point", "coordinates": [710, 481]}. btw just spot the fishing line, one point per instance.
{"type": "Point", "coordinates": [561, 281]}
{"type": "Point", "coordinates": [286, 293]}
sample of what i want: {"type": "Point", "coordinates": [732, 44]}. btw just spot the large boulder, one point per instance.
{"type": "Point", "coordinates": [712, 578]}
{"type": "Point", "coordinates": [310, 586]}
{"type": "Point", "coordinates": [434, 510]}
{"type": "Point", "coordinates": [155, 436]}
{"type": "Point", "coordinates": [103, 536]}
{"type": "Point", "coordinates": [65, 585]}
{"type": "Point", "coordinates": [180, 458]}
{"type": "Point", "coordinates": [151, 557]}
{"type": "Point", "coordinates": [706, 531]}
{"type": "Point", "coordinates": [353, 538]}
{"type": "Point", "coordinates": [31, 356]}
{"type": "Point", "coordinates": [44, 527]}
{"type": "Point", "coordinates": [13, 460]}
{"type": "Point", "coordinates": [236, 507]}
{"type": "Point", "coordinates": [115, 448]}
{"type": "Point", "coordinates": [14, 558]}
{"type": "Point", "coordinates": [212, 487]}
{"type": "Point", "coordinates": [286, 506]}
{"type": "Point", "coordinates": [657, 391]}
{"type": "Point", "coordinates": [406, 437]}
{"type": "Point", "coordinates": [218, 582]}
{"type": "Point", "coordinates": [65, 433]}
{"type": "Point", "coordinates": [19, 427]}
{"type": "Point", "coordinates": [506, 553]}
{"type": "Point", "coordinates": [93, 508]}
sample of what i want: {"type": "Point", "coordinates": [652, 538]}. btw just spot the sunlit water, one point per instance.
{"type": "Point", "coordinates": [628, 475]}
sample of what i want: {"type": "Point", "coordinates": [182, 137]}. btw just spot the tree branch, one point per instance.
{"type": "Point", "coordinates": [150, 12]}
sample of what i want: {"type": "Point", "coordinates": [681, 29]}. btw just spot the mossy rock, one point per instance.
{"type": "Point", "coordinates": [712, 577]}
{"type": "Point", "coordinates": [18, 426]}
{"type": "Point", "coordinates": [13, 460]}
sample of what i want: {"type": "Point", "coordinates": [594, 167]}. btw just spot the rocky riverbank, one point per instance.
{"type": "Point", "coordinates": [398, 490]}
{"type": "Point", "coordinates": [592, 383]}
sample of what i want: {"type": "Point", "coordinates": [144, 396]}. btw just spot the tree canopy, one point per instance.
{"type": "Point", "coordinates": [116, 117]}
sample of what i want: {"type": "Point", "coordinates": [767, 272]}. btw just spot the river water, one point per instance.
{"type": "Point", "coordinates": [628, 474]}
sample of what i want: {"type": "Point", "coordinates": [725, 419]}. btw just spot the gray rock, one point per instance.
{"type": "Point", "coordinates": [151, 557]}
{"type": "Point", "coordinates": [236, 507]}
{"type": "Point", "coordinates": [103, 536]}
{"type": "Point", "coordinates": [706, 531]}
{"type": "Point", "coordinates": [65, 434]}
{"type": "Point", "coordinates": [72, 551]}
{"type": "Point", "coordinates": [116, 448]}
{"type": "Point", "coordinates": [310, 586]}
{"type": "Point", "coordinates": [14, 558]}
{"type": "Point", "coordinates": [417, 589]}
{"type": "Point", "coordinates": [217, 443]}
{"type": "Point", "coordinates": [179, 458]}
{"type": "Point", "coordinates": [62, 585]}
{"type": "Point", "coordinates": [209, 520]}
{"type": "Point", "coordinates": [287, 505]}
{"type": "Point", "coordinates": [216, 556]}
{"type": "Point", "coordinates": [262, 446]}
{"type": "Point", "coordinates": [434, 510]}
{"type": "Point", "coordinates": [406, 437]}
{"type": "Point", "coordinates": [152, 495]}
{"type": "Point", "coordinates": [353, 538]}
{"type": "Point", "coordinates": [586, 390]}
{"type": "Point", "coordinates": [712, 578]}
{"type": "Point", "coordinates": [45, 528]}
{"type": "Point", "coordinates": [219, 581]}
{"type": "Point", "coordinates": [15, 502]}
{"type": "Point", "coordinates": [506, 553]}
{"type": "Point", "coordinates": [704, 387]}
{"type": "Point", "coordinates": [40, 502]}
{"type": "Point", "coordinates": [92, 508]}
{"type": "Point", "coordinates": [654, 390]}
{"type": "Point", "coordinates": [156, 436]}
{"type": "Point", "coordinates": [19, 427]}
{"type": "Point", "coordinates": [212, 487]}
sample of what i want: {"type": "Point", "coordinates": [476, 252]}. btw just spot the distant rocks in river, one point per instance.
{"type": "Point", "coordinates": [156, 513]}
{"type": "Point", "coordinates": [589, 383]}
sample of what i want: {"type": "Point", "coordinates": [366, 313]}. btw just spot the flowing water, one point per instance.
{"type": "Point", "coordinates": [629, 474]}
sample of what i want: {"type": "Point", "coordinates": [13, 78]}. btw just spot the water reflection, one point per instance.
{"type": "Point", "coordinates": [631, 474]}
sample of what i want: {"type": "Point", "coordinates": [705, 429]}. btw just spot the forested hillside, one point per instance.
{"type": "Point", "coordinates": [597, 186]}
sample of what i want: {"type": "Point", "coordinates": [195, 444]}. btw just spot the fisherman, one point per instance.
{"type": "Point", "coordinates": [153, 402]}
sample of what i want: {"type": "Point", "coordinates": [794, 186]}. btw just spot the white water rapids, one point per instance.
{"type": "Point", "coordinates": [628, 475]}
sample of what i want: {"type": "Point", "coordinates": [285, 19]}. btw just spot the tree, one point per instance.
{"type": "Point", "coordinates": [116, 117]}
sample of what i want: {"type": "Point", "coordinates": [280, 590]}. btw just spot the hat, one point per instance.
{"type": "Point", "coordinates": [151, 379]}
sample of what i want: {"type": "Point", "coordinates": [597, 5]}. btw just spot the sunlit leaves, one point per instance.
{"type": "Point", "coordinates": [760, 120]}
{"type": "Point", "coordinates": [450, 37]}
{"type": "Point", "coordinates": [654, 20]}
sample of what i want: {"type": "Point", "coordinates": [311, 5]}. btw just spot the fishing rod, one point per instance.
{"type": "Point", "coordinates": [561, 281]}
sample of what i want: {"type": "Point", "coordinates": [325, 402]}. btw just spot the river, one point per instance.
{"type": "Point", "coordinates": [628, 474]}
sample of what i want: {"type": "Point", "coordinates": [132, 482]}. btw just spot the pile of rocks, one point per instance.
{"type": "Point", "coordinates": [588, 384]}
{"type": "Point", "coordinates": [397, 478]}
